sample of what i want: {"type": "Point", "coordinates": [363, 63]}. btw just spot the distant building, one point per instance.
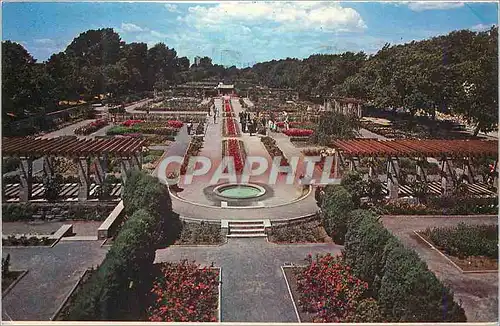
{"type": "Point", "coordinates": [225, 89]}
{"type": "Point", "coordinates": [347, 106]}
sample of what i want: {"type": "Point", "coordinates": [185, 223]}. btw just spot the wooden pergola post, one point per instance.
{"type": "Point", "coordinates": [421, 174]}
{"type": "Point", "coordinates": [101, 169]}
{"type": "Point", "coordinates": [83, 172]}
{"type": "Point", "coordinates": [392, 177]}
{"type": "Point", "coordinates": [372, 172]}
{"type": "Point", "coordinates": [468, 171]}
{"type": "Point", "coordinates": [26, 179]}
{"type": "Point", "coordinates": [124, 168]}
{"type": "Point", "coordinates": [336, 172]}
{"type": "Point", "coordinates": [448, 176]}
{"type": "Point", "coordinates": [48, 166]}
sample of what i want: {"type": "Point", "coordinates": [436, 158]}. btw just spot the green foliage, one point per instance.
{"type": "Point", "coordinates": [118, 289]}
{"type": "Point", "coordinates": [409, 292]}
{"type": "Point", "coordinates": [364, 245]}
{"type": "Point", "coordinates": [333, 125]}
{"type": "Point", "coordinates": [354, 184]}
{"type": "Point", "coordinates": [336, 205]}
{"type": "Point", "coordinates": [10, 164]}
{"type": "Point", "coordinates": [104, 191]}
{"type": "Point", "coordinates": [466, 240]}
{"type": "Point", "coordinates": [367, 311]}
{"type": "Point", "coordinates": [53, 185]}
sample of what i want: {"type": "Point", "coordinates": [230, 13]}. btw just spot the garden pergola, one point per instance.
{"type": "Point", "coordinates": [445, 151]}
{"type": "Point", "coordinates": [83, 152]}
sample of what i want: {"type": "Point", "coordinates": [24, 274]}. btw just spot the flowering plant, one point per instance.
{"type": "Point", "coordinates": [230, 128]}
{"type": "Point", "coordinates": [175, 124]}
{"type": "Point", "coordinates": [233, 148]}
{"type": "Point", "coordinates": [184, 292]}
{"type": "Point", "coordinates": [298, 132]}
{"type": "Point", "coordinates": [328, 289]}
{"type": "Point", "coordinates": [91, 127]}
{"type": "Point", "coordinates": [129, 123]}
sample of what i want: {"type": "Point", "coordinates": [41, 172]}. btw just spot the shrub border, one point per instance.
{"type": "Point", "coordinates": [417, 233]}
{"type": "Point", "coordinates": [11, 286]}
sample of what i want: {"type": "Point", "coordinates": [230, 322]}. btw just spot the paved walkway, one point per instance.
{"type": "Point", "coordinates": [52, 272]}
{"type": "Point", "coordinates": [478, 292]}
{"type": "Point", "coordinates": [253, 286]}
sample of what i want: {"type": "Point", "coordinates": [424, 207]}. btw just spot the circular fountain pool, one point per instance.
{"type": "Point", "coordinates": [239, 191]}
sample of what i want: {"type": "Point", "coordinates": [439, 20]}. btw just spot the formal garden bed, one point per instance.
{"type": "Point", "coordinates": [230, 128]}
{"type": "Point", "coordinates": [185, 292]}
{"type": "Point", "coordinates": [91, 127]}
{"type": "Point", "coordinates": [300, 232]}
{"type": "Point", "coordinates": [55, 211]}
{"type": "Point", "coordinates": [326, 291]}
{"type": "Point", "coordinates": [441, 205]}
{"type": "Point", "coordinates": [236, 149]}
{"type": "Point", "coordinates": [273, 149]}
{"type": "Point", "coordinates": [9, 277]}
{"type": "Point", "coordinates": [64, 309]}
{"type": "Point", "coordinates": [27, 241]}
{"type": "Point", "coordinates": [470, 247]}
{"type": "Point", "coordinates": [200, 234]}
{"type": "Point", "coordinates": [194, 149]}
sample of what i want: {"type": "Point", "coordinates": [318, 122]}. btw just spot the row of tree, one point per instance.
{"type": "Point", "coordinates": [457, 72]}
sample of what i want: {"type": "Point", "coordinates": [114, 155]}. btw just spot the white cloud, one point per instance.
{"type": "Point", "coordinates": [132, 28]}
{"type": "Point", "coordinates": [158, 34]}
{"type": "Point", "coordinates": [481, 27]}
{"type": "Point", "coordinates": [171, 7]}
{"type": "Point", "coordinates": [286, 16]}
{"type": "Point", "coordinates": [44, 41]}
{"type": "Point", "coordinates": [433, 5]}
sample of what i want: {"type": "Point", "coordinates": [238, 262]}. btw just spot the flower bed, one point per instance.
{"type": "Point", "coordinates": [443, 205]}
{"type": "Point", "coordinates": [13, 241]}
{"type": "Point", "coordinates": [325, 291]}
{"type": "Point", "coordinates": [230, 128]}
{"type": "Point", "coordinates": [194, 148]}
{"type": "Point", "coordinates": [274, 150]}
{"type": "Point", "coordinates": [227, 107]}
{"type": "Point", "coordinates": [235, 148]}
{"type": "Point", "coordinates": [130, 123]}
{"type": "Point", "coordinates": [293, 132]}
{"type": "Point", "coordinates": [175, 124]}
{"type": "Point", "coordinates": [184, 292]}
{"type": "Point", "coordinates": [200, 234]}
{"type": "Point", "coordinates": [91, 127]}
{"type": "Point", "coordinates": [296, 124]}
{"type": "Point", "coordinates": [471, 247]}
{"type": "Point", "coordinates": [141, 128]}
{"type": "Point", "coordinates": [305, 232]}
{"type": "Point", "coordinates": [323, 154]}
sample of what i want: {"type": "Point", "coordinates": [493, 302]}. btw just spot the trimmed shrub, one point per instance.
{"type": "Point", "coordinates": [119, 287]}
{"type": "Point", "coordinates": [364, 245]}
{"type": "Point", "coordinates": [336, 205]}
{"type": "Point", "coordinates": [367, 311]}
{"type": "Point", "coordinates": [354, 184]}
{"type": "Point", "coordinates": [409, 292]}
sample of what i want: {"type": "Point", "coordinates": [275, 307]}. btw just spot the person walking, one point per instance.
{"type": "Point", "coordinates": [189, 127]}
{"type": "Point", "coordinates": [244, 124]}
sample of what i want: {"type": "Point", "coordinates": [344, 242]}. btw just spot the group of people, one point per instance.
{"type": "Point", "coordinates": [248, 123]}
{"type": "Point", "coordinates": [215, 110]}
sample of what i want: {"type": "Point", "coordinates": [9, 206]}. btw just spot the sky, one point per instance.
{"type": "Point", "coordinates": [243, 33]}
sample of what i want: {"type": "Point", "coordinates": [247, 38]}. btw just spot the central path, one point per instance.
{"type": "Point", "coordinates": [253, 286]}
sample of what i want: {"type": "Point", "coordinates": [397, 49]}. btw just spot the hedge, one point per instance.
{"type": "Point", "coordinates": [119, 289]}
{"type": "Point", "coordinates": [335, 206]}
{"type": "Point", "coordinates": [405, 289]}
{"type": "Point", "coordinates": [364, 245]}
{"type": "Point", "coordinates": [409, 292]}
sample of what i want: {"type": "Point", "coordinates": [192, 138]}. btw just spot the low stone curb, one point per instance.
{"type": "Point", "coordinates": [61, 232]}
{"type": "Point", "coordinates": [11, 286]}
{"type": "Point", "coordinates": [290, 292]}
{"type": "Point", "coordinates": [200, 245]}
{"type": "Point", "coordinates": [66, 298]}
{"type": "Point", "coordinates": [451, 261]}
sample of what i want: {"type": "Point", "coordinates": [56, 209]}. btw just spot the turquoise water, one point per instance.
{"type": "Point", "coordinates": [240, 192]}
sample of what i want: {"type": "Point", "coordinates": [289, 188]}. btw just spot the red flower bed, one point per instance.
{"type": "Point", "coordinates": [184, 292]}
{"type": "Point", "coordinates": [329, 290]}
{"type": "Point", "coordinates": [91, 127]}
{"type": "Point", "coordinates": [129, 123]}
{"type": "Point", "coordinates": [227, 107]}
{"type": "Point", "coordinates": [231, 128]}
{"type": "Point", "coordinates": [298, 132]}
{"type": "Point", "coordinates": [175, 123]}
{"type": "Point", "coordinates": [232, 148]}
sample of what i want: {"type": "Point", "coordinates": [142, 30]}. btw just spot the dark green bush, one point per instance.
{"type": "Point", "coordinates": [17, 212]}
{"type": "Point", "coordinates": [118, 290]}
{"type": "Point", "coordinates": [336, 205]}
{"type": "Point", "coordinates": [364, 245]}
{"type": "Point", "coordinates": [354, 184]}
{"type": "Point", "coordinates": [409, 292]}
{"type": "Point", "coordinates": [367, 311]}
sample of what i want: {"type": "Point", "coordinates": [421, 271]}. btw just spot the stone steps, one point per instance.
{"type": "Point", "coordinates": [246, 228]}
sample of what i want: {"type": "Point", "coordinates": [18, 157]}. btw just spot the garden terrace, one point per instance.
{"type": "Point", "coordinates": [447, 152]}
{"type": "Point", "coordinates": [83, 152]}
